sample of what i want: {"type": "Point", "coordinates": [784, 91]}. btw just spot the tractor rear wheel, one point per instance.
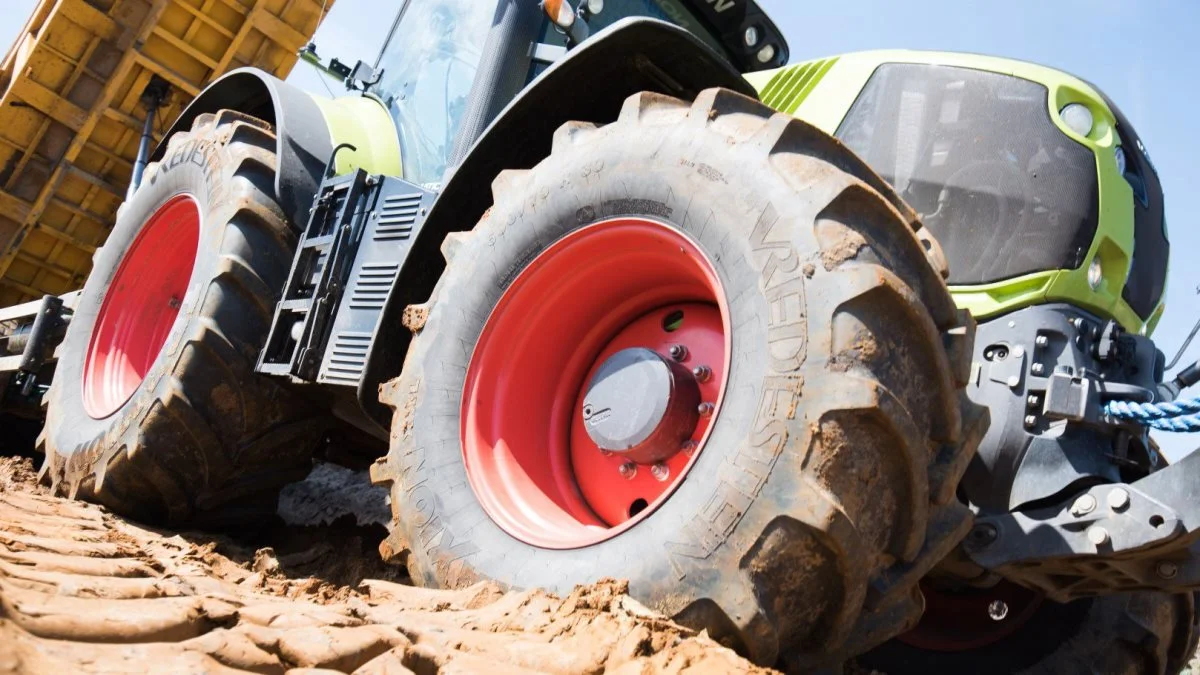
{"type": "Point", "coordinates": [168, 421]}
{"type": "Point", "coordinates": [703, 349]}
{"type": "Point", "coordinates": [1142, 633]}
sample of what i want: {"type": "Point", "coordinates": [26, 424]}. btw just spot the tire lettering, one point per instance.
{"type": "Point", "coordinates": [787, 335]}
{"type": "Point", "coordinates": [198, 152]}
{"type": "Point", "coordinates": [436, 541]}
{"type": "Point", "coordinates": [742, 477]}
{"type": "Point", "coordinates": [449, 563]}
{"type": "Point", "coordinates": [638, 207]}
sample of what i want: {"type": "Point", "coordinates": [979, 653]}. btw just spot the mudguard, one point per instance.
{"type": "Point", "coordinates": [589, 84]}
{"type": "Point", "coordinates": [303, 137]}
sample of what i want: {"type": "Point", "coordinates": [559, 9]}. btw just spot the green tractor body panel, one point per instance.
{"type": "Point", "coordinates": [825, 92]}
{"type": "Point", "coordinates": [364, 123]}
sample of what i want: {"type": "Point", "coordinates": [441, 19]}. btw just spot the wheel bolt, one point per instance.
{"type": "Point", "coordinates": [1030, 420]}
{"type": "Point", "coordinates": [1041, 341]}
{"type": "Point", "coordinates": [702, 373]}
{"type": "Point", "coordinates": [1166, 569]}
{"type": "Point", "coordinates": [1038, 369]}
{"type": "Point", "coordinates": [660, 472]}
{"type": "Point", "coordinates": [706, 409]}
{"type": "Point", "coordinates": [1033, 401]}
{"type": "Point", "coordinates": [1118, 499]}
{"type": "Point", "coordinates": [679, 352]}
{"type": "Point", "coordinates": [689, 447]}
{"type": "Point", "coordinates": [628, 470]}
{"type": "Point", "coordinates": [1097, 535]}
{"type": "Point", "coordinates": [1083, 505]}
{"type": "Point", "coordinates": [998, 610]}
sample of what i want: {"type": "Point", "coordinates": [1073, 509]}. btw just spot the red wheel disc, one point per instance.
{"type": "Point", "coordinates": [141, 306]}
{"type": "Point", "coordinates": [619, 284]}
{"type": "Point", "coordinates": [959, 620]}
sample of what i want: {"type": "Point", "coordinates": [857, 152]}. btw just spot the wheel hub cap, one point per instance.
{"type": "Point", "coordinates": [641, 405]}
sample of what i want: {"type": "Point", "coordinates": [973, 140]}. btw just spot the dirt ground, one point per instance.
{"type": "Point", "coordinates": [82, 590]}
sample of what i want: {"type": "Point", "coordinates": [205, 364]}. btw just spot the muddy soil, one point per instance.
{"type": "Point", "coordinates": [83, 591]}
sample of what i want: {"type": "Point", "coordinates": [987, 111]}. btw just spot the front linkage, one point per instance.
{"type": "Point", "coordinates": [1089, 507]}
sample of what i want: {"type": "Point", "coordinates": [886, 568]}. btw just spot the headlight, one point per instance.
{"type": "Point", "coordinates": [751, 36]}
{"type": "Point", "coordinates": [1077, 117]}
{"type": "Point", "coordinates": [1095, 273]}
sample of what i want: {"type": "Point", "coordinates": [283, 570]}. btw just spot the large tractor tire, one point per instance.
{"type": "Point", "coordinates": [156, 411]}
{"type": "Point", "coordinates": [1143, 633]}
{"type": "Point", "coordinates": [772, 448]}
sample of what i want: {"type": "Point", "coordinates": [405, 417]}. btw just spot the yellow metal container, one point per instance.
{"type": "Point", "coordinates": [71, 112]}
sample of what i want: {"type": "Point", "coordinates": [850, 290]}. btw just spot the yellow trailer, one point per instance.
{"type": "Point", "coordinates": [73, 107]}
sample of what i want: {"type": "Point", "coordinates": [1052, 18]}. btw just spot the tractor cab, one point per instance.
{"type": "Point", "coordinates": [449, 66]}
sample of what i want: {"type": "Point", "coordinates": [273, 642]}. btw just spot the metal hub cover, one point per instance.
{"type": "Point", "coordinates": [641, 405]}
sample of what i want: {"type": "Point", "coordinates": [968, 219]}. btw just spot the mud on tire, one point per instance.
{"type": "Point", "coordinates": [826, 488]}
{"type": "Point", "coordinates": [202, 439]}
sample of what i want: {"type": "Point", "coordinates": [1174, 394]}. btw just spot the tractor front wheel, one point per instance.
{"type": "Point", "coordinates": [703, 349]}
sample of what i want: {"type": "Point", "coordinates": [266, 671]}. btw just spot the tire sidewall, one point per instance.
{"type": "Point", "coordinates": [759, 433]}
{"type": "Point", "coordinates": [197, 167]}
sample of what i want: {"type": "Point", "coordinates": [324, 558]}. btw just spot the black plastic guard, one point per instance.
{"type": "Point", "coordinates": [302, 135]}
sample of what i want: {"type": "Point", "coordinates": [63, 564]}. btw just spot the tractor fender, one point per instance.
{"type": "Point", "coordinates": [307, 129]}
{"type": "Point", "coordinates": [589, 84]}
{"type": "Point", "coordinates": [302, 136]}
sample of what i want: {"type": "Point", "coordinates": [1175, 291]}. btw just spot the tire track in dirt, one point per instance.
{"type": "Point", "coordinates": [82, 590]}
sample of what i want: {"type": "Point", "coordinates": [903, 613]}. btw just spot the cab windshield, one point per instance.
{"type": "Point", "coordinates": [429, 64]}
{"type": "Point", "coordinates": [430, 59]}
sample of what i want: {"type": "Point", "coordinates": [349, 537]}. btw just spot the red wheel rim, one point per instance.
{"type": "Point", "coordinates": [621, 283]}
{"type": "Point", "coordinates": [961, 620]}
{"type": "Point", "coordinates": [140, 306]}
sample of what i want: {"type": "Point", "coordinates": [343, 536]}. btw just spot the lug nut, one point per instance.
{"type": "Point", "coordinates": [1166, 569]}
{"type": "Point", "coordinates": [660, 472]}
{"type": "Point", "coordinates": [628, 470]}
{"type": "Point", "coordinates": [706, 409]}
{"type": "Point", "coordinates": [702, 373]}
{"type": "Point", "coordinates": [1118, 499]}
{"type": "Point", "coordinates": [998, 610]}
{"type": "Point", "coordinates": [983, 535]}
{"type": "Point", "coordinates": [689, 447]}
{"type": "Point", "coordinates": [1030, 420]}
{"type": "Point", "coordinates": [679, 352]}
{"type": "Point", "coordinates": [1037, 369]}
{"type": "Point", "coordinates": [1033, 401]}
{"type": "Point", "coordinates": [1084, 504]}
{"type": "Point", "coordinates": [1041, 341]}
{"type": "Point", "coordinates": [1097, 535]}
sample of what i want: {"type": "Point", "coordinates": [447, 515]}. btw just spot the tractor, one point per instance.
{"type": "Point", "coordinates": [845, 358]}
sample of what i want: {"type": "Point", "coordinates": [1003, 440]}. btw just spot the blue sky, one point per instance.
{"type": "Point", "coordinates": [1142, 53]}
